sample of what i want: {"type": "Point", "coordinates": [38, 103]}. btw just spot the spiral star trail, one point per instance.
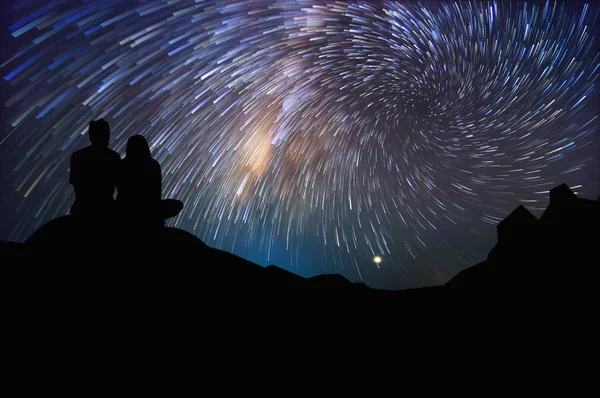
{"type": "Point", "coordinates": [315, 135]}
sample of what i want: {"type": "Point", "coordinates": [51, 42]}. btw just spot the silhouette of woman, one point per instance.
{"type": "Point", "coordinates": [140, 187]}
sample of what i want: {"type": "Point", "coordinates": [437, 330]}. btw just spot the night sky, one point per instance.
{"type": "Point", "coordinates": [312, 135]}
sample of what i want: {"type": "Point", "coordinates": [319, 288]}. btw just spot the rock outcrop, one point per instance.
{"type": "Point", "coordinates": [554, 251]}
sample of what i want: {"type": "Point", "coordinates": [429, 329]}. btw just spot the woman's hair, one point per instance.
{"type": "Point", "coordinates": [137, 148]}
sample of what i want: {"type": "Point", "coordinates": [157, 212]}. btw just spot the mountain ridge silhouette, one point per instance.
{"type": "Point", "coordinates": [530, 252]}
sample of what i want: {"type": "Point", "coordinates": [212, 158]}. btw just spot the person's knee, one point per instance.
{"type": "Point", "coordinates": [171, 208]}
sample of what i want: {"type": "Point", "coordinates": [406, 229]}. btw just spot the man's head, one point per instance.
{"type": "Point", "coordinates": [99, 133]}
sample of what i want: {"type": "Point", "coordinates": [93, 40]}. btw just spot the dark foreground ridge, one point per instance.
{"type": "Point", "coordinates": [557, 251]}
{"type": "Point", "coordinates": [66, 247]}
{"type": "Point", "coordinates": [558, 248]}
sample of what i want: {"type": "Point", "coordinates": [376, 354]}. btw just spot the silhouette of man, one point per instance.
{"type": "Point", "coordinates": [94, 172]}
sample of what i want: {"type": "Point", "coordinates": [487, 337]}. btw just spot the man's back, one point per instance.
{"type": "Point", "coordinates": [94, 172]}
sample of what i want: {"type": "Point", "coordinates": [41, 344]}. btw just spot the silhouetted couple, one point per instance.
{"type": "Point", "coordinates": [97, 170]}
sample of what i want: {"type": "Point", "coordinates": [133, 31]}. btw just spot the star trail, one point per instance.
{"type": "Point", "coordinates": [315, 135]}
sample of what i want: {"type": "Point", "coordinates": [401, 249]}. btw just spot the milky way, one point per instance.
{"type": "Point", "coordinates": [312, 135]}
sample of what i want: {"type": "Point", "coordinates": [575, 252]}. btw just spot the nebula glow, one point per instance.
{"type": "Point", "coordinates": [314, 135]}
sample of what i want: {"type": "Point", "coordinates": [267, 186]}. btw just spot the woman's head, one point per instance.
{"type": "Point", "coordinates": [137, 148]}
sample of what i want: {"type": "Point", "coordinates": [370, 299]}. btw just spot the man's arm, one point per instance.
{"type": "Point", "coordinates": [116, 170]}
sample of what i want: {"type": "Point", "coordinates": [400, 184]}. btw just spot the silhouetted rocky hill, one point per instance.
{"type": "Point", "coordinates": [64, 244]}
{"type": "Point", "coordinates": [557, 251]}
{"type": "Point", "coordinates": [559, 248]}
